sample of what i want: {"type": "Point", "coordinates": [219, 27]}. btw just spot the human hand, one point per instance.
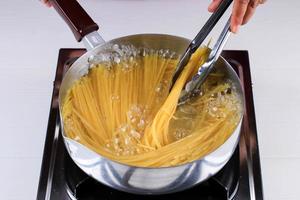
{"type": "Point", "coordinates": [46, 2]}
{"type": "Point", "coordinates": [242, 11]}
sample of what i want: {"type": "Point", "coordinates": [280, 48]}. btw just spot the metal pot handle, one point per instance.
{"type": "Point", "coordinates": [80, 23]}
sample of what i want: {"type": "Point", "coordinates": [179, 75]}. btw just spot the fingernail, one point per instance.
{"type": "Point", "coordinates": [211, 7]}
{"type": "Point", "coordinates": [234, 29]}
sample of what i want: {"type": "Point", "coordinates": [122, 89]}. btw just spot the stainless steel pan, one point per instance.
{"type": "Point", "coordinates": [120, 176]}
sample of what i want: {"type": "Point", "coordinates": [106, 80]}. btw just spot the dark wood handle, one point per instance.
{"type": "Point", "coordinates": [75, 16]}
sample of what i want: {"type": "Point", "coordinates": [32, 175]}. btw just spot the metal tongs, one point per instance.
{"type": "Point", "coordinates": [194, 84]}
{"type": "Point", "coordinates": [200, 37]}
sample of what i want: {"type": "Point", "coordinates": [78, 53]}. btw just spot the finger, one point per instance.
{"type": "Point", "coordinates": [214, 5]}
{"type": "Point", "coordinates": [250, 11]}
{"type": "Point", "coordinates": [48, 4]}
{"type": "Point", "coordinates": [262, 1]}
{"type": "Point", "coordinates": [239, 10]}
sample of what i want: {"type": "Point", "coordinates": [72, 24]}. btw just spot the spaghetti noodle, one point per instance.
{"type": "Point", "coordinates": [123, 110]}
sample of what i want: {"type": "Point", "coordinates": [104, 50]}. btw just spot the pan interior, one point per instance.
{"type": "Point", "coordinates": [159, 42]}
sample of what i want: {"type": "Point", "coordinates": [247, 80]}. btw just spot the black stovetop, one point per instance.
{"type": "Point", "coordinates": [240, 178]}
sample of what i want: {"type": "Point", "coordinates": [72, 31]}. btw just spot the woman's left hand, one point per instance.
{"type": "Point", "coordinates": [46, 2]}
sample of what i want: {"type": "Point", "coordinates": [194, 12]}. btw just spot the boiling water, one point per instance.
{"type": "Point", "coordinates": [134, 112]}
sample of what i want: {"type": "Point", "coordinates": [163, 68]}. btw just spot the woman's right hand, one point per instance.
{"type": "Point", "coordinates": [242, 11]}
{"type": "Point", "coordinates": [47, 3]}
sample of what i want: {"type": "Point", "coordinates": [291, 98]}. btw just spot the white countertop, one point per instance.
{"type": "Point", "coordinates": [31, 35]}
